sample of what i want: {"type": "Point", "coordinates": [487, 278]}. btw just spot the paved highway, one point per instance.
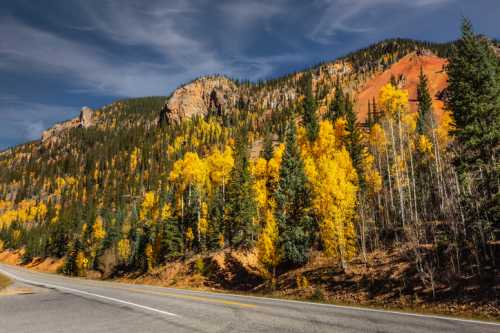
{"type": "Point", "coordinates": [62, 304]}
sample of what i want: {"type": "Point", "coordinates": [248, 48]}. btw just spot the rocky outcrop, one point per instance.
{"type": "Point", "coordinates": [84, 120]}
{"type": "Point", "coordinates": [198, 98]}
{"type": "Point", "coordinates": [220, 95]}
{"type": "Point", "coordinates": [86, 117]}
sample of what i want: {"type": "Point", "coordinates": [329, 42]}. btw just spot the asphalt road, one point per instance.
{"type": "Point", "coordinates": [62, 304]}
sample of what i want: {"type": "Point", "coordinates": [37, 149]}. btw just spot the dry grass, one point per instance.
{"type": "Point", "coordinates": [4, 282]}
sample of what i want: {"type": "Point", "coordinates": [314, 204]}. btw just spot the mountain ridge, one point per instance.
{"type": "Point", "coordinates": [369, 62]}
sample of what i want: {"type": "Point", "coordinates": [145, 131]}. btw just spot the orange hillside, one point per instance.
{"type": "Point", "coordinates": [409, 67]}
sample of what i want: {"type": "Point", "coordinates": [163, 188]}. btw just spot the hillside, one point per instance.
{"type": "Point", "coordinates": [283, 172]}
{"type": "Point", "coordinates": [407, 71]}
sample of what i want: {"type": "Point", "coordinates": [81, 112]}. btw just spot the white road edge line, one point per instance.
{"type": "Point", "coordinates": [277, 300]}
{"type": "Point", "coordinates": [71, 290]}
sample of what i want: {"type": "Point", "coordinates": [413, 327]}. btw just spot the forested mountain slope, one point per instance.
{"type": "Point", "coordinates": [343, 159]}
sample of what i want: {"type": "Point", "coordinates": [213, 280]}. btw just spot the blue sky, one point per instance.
{"type": "Point", "coordinates": [58, 56]}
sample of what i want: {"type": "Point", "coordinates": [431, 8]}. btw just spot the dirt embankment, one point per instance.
{"type": "Point", "coordinates": [48, 265]}
{"type": "Point", "coordinates": [388, 280]}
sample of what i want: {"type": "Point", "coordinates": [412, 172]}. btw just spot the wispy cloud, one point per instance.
{"type": "Point", "coordinates": [21, 121]}
{"type": "Point", "coordinates": [245, 13]}
{"type": "Point", "coordinates": [343, 15]}
{"type": "Point", "coordinates": [183, 53]}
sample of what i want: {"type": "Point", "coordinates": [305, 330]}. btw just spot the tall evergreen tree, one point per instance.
{"type": "Point", "coordinates": [293, 203]}
{"type": "Point", "coordinates": [474, 98]}
{"type": "Point", "coordinates": [241, 206]}
{"type": "Point", "coordinates": [424, 104]}
{"type": "Point", "coordinates": [268, 150]}
{"type": "Point", "coordinates": [353, 138]}
{"type": "Point", "coordinates": [337, 107]}
{"type": "Point", "coordinates": [310, 117]}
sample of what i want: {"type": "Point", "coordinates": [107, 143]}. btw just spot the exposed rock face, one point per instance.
{"type": "Point", "coordinates": [51, 134]}
{"type": "Point", "coordinates": [220, 95]}
{"type": "Point", "coordinates": [200, 97]}
{"type": "Point", "coordinates": [85, 120]}
{"type": "Point", "coordinates": [86, 117]}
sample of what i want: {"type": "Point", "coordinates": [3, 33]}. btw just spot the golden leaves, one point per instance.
{"type": "Point", "coordinates": [392, 100]}
{"type": "Point", "coordinates": [149, 210]}
{"type": "Point", "coordinates": [98, 231]}
{"type": "Point", "coordinates": [333, 180]}
{"type": "Point", "coordinates": [220, 165]}
{"type": "Point", "coordinates": [267, 242]}
{"type": "Point", "coordinates": [124, 249]}
{"type": "Point", "coordinates": [424, 144]}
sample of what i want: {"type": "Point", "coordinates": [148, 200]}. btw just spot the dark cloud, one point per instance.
{"type": "Point", "coordinates": [57, 56]}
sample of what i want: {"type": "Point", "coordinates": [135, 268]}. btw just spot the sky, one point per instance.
{"type": "Point", "coordinates": [58, 56]}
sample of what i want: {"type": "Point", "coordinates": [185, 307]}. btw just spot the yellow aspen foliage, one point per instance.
{"type": "Point", "coordinates": [2, 245]}
{"type": "Point", "coordinates": [340, 127]}
{"type": "Point", "coordinates": [42, 211]}
{"type": "Point", "coordinates": [221, 241]}
{"type": "Point", "coordinates": [134, 157]}
{"type": "Point", "coordinates": [445, 126]}
{"type": "Point", "coordinates": [189, 236]}
{"type": "Point", "coordinates": [274, 164]}
{"type": "Point", "coordinates": [166, 212]}
{"type": "Point", "coordinates": [191, 170]}
{"type": "Point", "coordinates": [259, 172]}
{"type": "Point", "coordinates": [16, 235]}
{"type": "Point", "coordinates": [98, 231]}
{"type": "Point", "coordinates": [220, 165]}
{"type": "Point", "coordinates": [301, 281]}
{"type": "Point", "coordinates": [82, 263]}
{"type": "Point", "coordinates": [410, 122]}
{"type": "Point", "coordinates": [266, 174]}
{"type": "Point", "coordinates": [372, 176]}
{"type": "Point", "coordinates": [424, 144]}
{"type": "Point", "coordinates": [378, 137]}
{"type": "Point", "coordinates": [333, 181]}
{"type": "Point", "coordinates": [202, 221]}
{"type": "Point", "coordinates": [147, 206]}
{"type": "Point", "coordinates": [267, 242]}
{"type": "Point", "coordinates": [392, 100]}
{"type": "Point", "coordinates": [124, 249]}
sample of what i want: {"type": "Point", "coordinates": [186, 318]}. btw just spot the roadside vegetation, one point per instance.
{"type": "Point", "coordinates": [4, 282]}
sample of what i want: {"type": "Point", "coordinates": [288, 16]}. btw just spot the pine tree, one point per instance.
{"type": "Point", "coordinates": [424, 104]}
{"type": "Point", "coordinates": [353, 139]}
{"type": "Point", "coordinates": [241, 206]}
{"type": "Point", "coordinates": [268, 150]}
{"type": "Point", "coordinates": [474, 99]}
{"type": "Point", "coordinates": [337, 107]}
{"type": "Point", "coordinates": [310, 117]}
{"type": "Point", "coordinates": [293, 204]}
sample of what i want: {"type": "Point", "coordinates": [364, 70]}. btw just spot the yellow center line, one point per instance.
{"type": "Point", "coordinates": [195, 298]}
{"type": "Point", "coordinates": [174, 295]}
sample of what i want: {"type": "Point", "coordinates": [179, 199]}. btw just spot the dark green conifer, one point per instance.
{"type": "Point", "coordinates": [337, 107]}
{"type": "Point", "coordinates": [424, 104]}
{"type": "Point", "coordinates": [474, 98]}
{"type": "Point", "coordinates": [293, 204]}
{"type": "Point", "coordinates": [241, 206]}
{"type": "Point", "coordinates": [310, 117]}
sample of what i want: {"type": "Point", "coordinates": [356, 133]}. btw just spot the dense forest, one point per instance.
{"type": "Point", "coordinates": [151, 192]}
